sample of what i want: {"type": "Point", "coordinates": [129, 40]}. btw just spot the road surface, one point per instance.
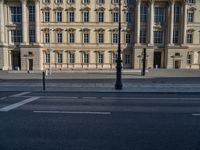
{"type": "Point", "coordinates": [99, 121]}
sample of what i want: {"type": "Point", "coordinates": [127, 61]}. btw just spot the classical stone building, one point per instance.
{"type": "Point", "coordinates": [83, 34]}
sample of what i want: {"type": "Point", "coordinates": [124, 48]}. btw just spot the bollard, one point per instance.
{"type": "Point", "coordinates": [43, 77]}
{"type": "Point", "coordinates": [144, 62]}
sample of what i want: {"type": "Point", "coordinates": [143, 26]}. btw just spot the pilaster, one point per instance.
{"type": "Point", "coordinates": [24, 22]}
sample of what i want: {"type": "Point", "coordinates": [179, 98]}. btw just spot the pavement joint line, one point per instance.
{"type": "Point", "coordinates": [20, 94]}
{"type": "Point", "coordinates": [74, 112]}
{"type": "Point", "coordinates": [18, 104]}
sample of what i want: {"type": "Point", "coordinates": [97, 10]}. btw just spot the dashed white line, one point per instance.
{"type": "Point", "coordinates": [73, 112]}
{"type": "Point", "coordinates": [2, 98]}
{"type": "Point", "coordinates": [195, 114]}
{"type": "Point", "coordinates": [16, 105]}
{"type": "Point", "coordinates": [20, 94]}
{"type": "Point", "coordinates": [89, 97]}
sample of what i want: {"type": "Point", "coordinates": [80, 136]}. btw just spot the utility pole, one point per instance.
{"type": "Point", "coordinates": [144, 62]}
{"type": "Point", "coordinates": [118, 84]}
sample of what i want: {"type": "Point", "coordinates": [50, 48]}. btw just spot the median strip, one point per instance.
{"type": "Point", "coordinates": [73, 112]}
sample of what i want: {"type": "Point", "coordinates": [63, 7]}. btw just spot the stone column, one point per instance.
{"type": "Point", "coordinates": [37, 21]}
{"type": "Point", "coordinates": [151, 22]}
{"type": "Point", "coordinates": [171, 22]}
{"type": "Point", "coordinates": [184, 27]}
{"type": "Point", "coordinates": [138, 22]}
{"type": "Point", "coordinates": [24, 22]}
{"type": "Point", "coordinates": [2, 39]}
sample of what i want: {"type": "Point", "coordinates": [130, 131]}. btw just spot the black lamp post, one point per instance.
{"type": "Point", "coordinates": [118, 83]}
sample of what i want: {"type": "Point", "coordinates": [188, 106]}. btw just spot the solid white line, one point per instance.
{"type": "Point", "coordinates": [20, 94]}
{"type": "Point", "coordinates": [16, 105]}
{"type": "Point", "coordinates": [73, 112]}
{"type": "Point", "coordinates": [195, 114]}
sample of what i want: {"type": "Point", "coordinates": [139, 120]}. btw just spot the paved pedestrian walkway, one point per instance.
{"type": "Point", "coordinates": [97, 81]}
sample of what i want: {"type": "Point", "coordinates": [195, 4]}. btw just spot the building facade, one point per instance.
{"type": "Point", "coordinates": [83, 34]}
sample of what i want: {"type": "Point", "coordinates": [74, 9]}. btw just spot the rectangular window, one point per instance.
{"type": "Point", "coordinates": [189, 38]}
{"type": "Point", "coordinates": [46, 1]}
{"type": "Point", "coordinates": [114, 58]}
{"type": "Point", "coordinates": [143, 36]}
{"type": "Point", "coordinates": [71, 17]}
{"type": "Point", "coordinates": [175, 37]}
{"type": "Point", "coordinates": [46, 16]}
{"type": "Point", "coordinates": [59, 16]}
{"type": "Point", "coordinates": [46, 37]}
{"type": "Point", "coordinates": [59, 37]}
{"type": "Point", "coordinates": [85, 16]}
{"type": "Point", "coordinates": [115, 1]}
{"type": "Point", "coordinates": [85, 58]}
{"type": "Point", "coordinates": [58, 1]}
{"type": "Point", "coordinates": [71, 58]}
{"type": "Point", "coordinates": [100, 1]}
{"type": "Point", "coordinates": [59, 58]}
{"type": "Point", "coordinates": [191, 1]}
{"type": "Point", "coordinates": [100, 38]}
{"type": "Point", "coordinates": [71, 37]}
{"type": "Point", "coordinates": [47, 58]}
{"type": "Point", "coordinates": [115, 38]}
{"type": "Point", "coordinates": [128, 38]}
{"type": "Point", "coordinates": [86, 38]}
{"type": "Point", "coordinates": [190, 16]}
{"type": "Point", "coordinates": [32, 13]}
{"type": "Point", "coordinates": [115, 17]}
{"type": "Point", "coordinates": [71, 1]}
{"type": "Point", "coordinates": [128, 17]}
{"type": "Point", "coordinates": [143, 13]}
{"type": "Point", "coordinates": [177, 13]}
{"type": "Point", "coordinates": [32, 36]}
{"type": "Point", "coordinates": [100, 58]}
{"type": "Point", "coordinates": [100, 16]}
{"type": "Point", "coordinates": [86, 1]}
{"type": "Point", "coordinates": [16, 14]}
{"type": "Point", "coordinates": [189, 58]}
{"type": "Point", "coordinates": [16, 36]}
{"type": "Point", "coordinates": [158, 37]}
{"type": "Point", "coordinates": [159, 15]}
{"type": "Point", "coordinates": [127, 59]}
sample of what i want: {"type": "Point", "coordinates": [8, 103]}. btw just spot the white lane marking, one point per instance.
{"type": "Point", "coordinates": [73, 112]}
{"type": "Point", "coordinates": [16, 105]}
{"type": "Point", "coordinates": [20, 94]}
{"type": "Point", "coordinates": [2, 98]}
{"type": "Point", "coordinates": [89, 97]}
{"type": "Point", "coordinates": [153, 98]}
{"type": "Point", "coordinates": [195, 114]}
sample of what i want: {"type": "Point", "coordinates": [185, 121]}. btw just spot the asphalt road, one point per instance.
{"type": "Point", "coordinates": [99, 121]}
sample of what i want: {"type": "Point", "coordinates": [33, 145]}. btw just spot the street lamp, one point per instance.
{"type": "Point", "coordinates": [118, 83]}
{"type": "Point", "coordinates": [49, 49]}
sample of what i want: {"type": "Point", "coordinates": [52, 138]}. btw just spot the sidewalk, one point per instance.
{"type": "Point", "coordinates": [154, 81]}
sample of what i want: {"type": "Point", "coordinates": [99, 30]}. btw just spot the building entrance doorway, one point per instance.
{"type": "Point", "coordinates": [157, 60]}
{"type": "Point", "coordinates": [30, 62]}
{"type": "Point", "coordinates": [16, 61]}
{"type": "Point", "coordinates": [177, 64]}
